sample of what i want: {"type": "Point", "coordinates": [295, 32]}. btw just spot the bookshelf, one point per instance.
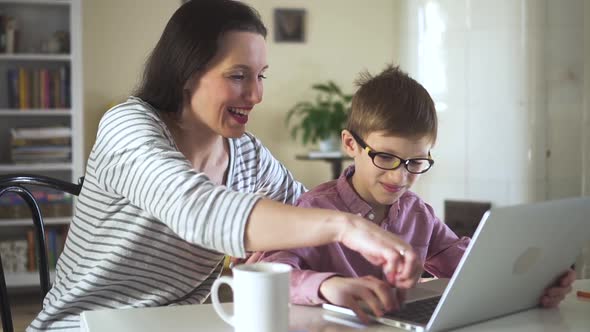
{"type": "Point", "coordinates": [40, 87]}
{"type": "Point", "coordinates": [25, 279]}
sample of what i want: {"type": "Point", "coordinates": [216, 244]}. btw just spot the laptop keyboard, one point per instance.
{"type": "Point", "coordinates": [419, 311]}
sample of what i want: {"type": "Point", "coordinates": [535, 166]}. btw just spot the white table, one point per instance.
{"type": "Point", "coordinates": [572, 315]}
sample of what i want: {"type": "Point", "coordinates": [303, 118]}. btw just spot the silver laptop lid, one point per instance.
{"type": "Point", "coordinates": [515, 253]}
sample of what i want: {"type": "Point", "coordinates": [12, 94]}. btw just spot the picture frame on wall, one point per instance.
{"type": "Point", "coordinates": [289, 25]}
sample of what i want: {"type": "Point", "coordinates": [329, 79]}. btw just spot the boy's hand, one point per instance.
{"type": "Point", "coordinates": [554, 294]}
{"type": "Point", "coordinates": [399, 262]}
{"type": "Point", "coordinates": [251, 258]}
{"type": "Point", "coordinates": [348, 292]}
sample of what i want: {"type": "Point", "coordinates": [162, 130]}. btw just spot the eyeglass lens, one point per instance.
{"type": "Point", "coordinates": [387, 161]}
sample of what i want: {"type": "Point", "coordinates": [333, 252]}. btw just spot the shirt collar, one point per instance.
{"type": "Point", "coordinates": [354, 202]}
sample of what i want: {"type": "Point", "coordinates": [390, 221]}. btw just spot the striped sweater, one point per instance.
{"type": "Point", "coordinates": [148, 229]}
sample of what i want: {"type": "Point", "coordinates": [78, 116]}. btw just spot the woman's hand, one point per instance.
{"type": "Point", "coordinates": [554, 294]}
{"type": "Point", "coordinates": [400, 263]}
{"type": "Point", "coordinates": [352, 292]}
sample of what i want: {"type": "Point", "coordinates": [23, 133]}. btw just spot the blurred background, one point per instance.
{"type": "Point", "coordinates": [510, 80]}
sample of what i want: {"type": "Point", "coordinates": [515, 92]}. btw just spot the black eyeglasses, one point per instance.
{"type": "Point", "coordinates": [390, 161]}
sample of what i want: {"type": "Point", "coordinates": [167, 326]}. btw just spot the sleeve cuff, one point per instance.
{"type": "Point", "coordinates": [306, 286]}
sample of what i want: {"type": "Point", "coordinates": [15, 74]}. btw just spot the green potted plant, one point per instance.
{"type": "Point", "coordinates": [322, 119]}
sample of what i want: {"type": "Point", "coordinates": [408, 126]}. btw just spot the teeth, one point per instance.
{"type": "Point", "coordinates": [238, 111]}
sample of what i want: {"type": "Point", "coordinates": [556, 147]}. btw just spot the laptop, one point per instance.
{"type": "Point", "coordinates": [515, 253]}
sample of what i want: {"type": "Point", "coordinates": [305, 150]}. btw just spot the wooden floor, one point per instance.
{"type": "Point", "coordinates": [24, 307]}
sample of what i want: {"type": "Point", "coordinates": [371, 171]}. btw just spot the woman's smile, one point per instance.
{"type": "Point", "coordinates": [239, 114]}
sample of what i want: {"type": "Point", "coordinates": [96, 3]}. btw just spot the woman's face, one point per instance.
{"type": "Point", "coordinates": [223, 96]}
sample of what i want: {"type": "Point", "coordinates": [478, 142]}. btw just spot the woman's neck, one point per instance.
{"type": "Point", "coordinates": [206, 150]}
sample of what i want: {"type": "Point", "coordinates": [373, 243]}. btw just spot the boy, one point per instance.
{"type": "Point", "coordinates": [390, 132]}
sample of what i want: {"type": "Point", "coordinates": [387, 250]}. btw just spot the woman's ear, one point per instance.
{"type": "Point", "coordinates": [189, 88]}
{"type": "Point", "coordinates": [349, 143]}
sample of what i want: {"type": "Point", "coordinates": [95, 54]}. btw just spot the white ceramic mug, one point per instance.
{"type": "Point", "coordinates": [261, 297]}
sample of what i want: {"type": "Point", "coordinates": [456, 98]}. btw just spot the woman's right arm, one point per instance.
{"type": "Point", "coordinates": [273, 226]}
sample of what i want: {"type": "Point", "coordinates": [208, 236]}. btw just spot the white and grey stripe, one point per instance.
{"type": "Point", "coordinates": [148, 230]}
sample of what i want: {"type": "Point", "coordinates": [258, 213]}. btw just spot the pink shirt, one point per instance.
{"type": "Point", "coordinates": [410, 218]}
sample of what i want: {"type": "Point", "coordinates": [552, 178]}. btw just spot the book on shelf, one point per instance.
{"type": "Point", "coordinates": [31, 255]}
{"type": "Point", "coordinates": [54, 242]}
{"type": "Point", "coordinates": [40, 145]}
{"type": "Point", "coordinates": [52, 203]}
{"type": "Point", "coordinates": [38, 88]}
{"type": "Point", "coordinates": [3, 33]}
{"type": "Point", "coordinates": [62, 141]}
{"type": "Point", "coordinates": [8, 34]}
{"type": "Point", "coordinates": [14, 255]}
{"type": "Point", "coordinates": [41, 155]}
{"type": "Point", "coordinates": [41, 132]}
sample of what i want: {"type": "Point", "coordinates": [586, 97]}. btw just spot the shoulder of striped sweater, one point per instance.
{"type": "Point", "coordinates": [133, 105]}
{"type": "Point", "coordinates": [248, 139]}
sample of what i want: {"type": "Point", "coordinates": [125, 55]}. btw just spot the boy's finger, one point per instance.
{"type": "Point", "coordinates": [549, 302]}
{"type": "Point", "coordinates": [410, 265]}
{"type": "Point", "coordinates": [360, 313]}
{"type": "Point", "coordinates": [568, 278]}
{"type": "Point", "coordinates": [405, 283]}
{"type": "Point", "coordinates": [391, 266]}
{"type": "Point", "coordinates": [368, 297]}
{"type": "Point", "coordinates": [401, 297]}
{"type": "Point", "coordinates": [558, 291]}
{"type": "Point", "coordinates": [385, 294]}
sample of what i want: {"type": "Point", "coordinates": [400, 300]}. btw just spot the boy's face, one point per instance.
{"type": "Point", "coordinates": [377, 186]}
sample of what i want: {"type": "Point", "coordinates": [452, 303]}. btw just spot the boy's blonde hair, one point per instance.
{"type": "Point", "coordinates": [394, 103]}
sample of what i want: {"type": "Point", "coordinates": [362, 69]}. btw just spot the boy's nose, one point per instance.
{"type": "Point", "coordinates": [398, 175]}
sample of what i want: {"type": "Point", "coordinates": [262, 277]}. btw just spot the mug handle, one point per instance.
{"type": "Point", "coordinates": [215, 299]}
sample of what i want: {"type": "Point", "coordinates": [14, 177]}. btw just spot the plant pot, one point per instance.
{"type": "Point", "coordinates": [329, 144]}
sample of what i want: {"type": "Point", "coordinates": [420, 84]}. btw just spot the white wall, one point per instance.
{"type": "Point", "coordinates": [565, 97]}
{"type": "Point", "coordinates": [487, 73]}
{"type": "Point", "coordinates": [507, 77]}
{"type": "Point", "coordinates": [117, 37]}
{"type": "Point", "coordinates": [343, 38]}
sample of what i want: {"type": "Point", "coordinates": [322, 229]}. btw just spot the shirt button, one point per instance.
{"type": "Point", "coordinates": [371, 216]}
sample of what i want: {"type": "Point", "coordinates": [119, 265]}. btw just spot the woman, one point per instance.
{"type": "Point", "coordinates": [174, 181]}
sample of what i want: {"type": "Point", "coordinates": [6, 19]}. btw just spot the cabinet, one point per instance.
{"type": "Point", "coordinates": [40, 87]}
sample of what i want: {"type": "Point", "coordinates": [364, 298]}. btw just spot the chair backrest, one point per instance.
{"type": "Point", "coordinates": [17, 183]}
{"type": "Point", "coordinates": [463, 217]}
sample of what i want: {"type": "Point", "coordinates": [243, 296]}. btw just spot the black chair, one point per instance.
{"type": "Point", "coordinates": [17, 184]}
{"type": "Point", "coordinates": [463, 217]}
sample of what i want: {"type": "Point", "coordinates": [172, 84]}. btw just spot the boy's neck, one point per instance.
{"type": "Point", "coordinates": [380, 211]}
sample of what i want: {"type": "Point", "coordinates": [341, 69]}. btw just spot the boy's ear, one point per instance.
{"type": "Point", "coordinates": [349, 143]}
